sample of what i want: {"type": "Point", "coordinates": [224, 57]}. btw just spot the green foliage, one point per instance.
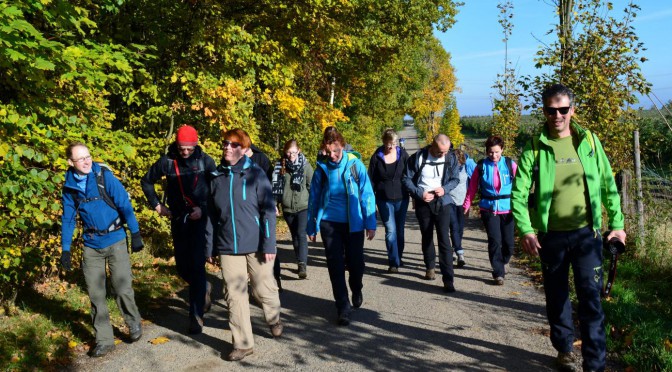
{"type": "Point", "coordinates": [120, 76]}
{"type": "Point", "coordinates": [597, 56]}
{"type": "Point", "coordinates": [450, 123]}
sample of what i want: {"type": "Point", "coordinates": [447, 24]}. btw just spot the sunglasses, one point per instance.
{"type": "Point", "coordinates": [234, 145]}
{"type": "Point", "coordinates": [555, 110]}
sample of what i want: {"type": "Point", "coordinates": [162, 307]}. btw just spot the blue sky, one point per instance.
{"type": "Point", "coordinates": [475, 44]}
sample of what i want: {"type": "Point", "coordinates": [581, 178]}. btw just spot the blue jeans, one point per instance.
{"type": "Point", "coordinates": [343, 247]}
{"type": "Point", "coordinates": [582, 249]}
{"type": "Point", "coordinates": [456, 227]}
{"type": "Point", "coordinates": [393, 216]}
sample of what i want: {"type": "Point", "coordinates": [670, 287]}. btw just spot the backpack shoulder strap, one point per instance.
{"type": "Point", "coordinates": [102, 190]}
{"type": "Point", "coordinates": [509, 165]}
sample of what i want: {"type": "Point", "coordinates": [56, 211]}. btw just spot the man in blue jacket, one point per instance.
{"type": "Point", "coordinates": [103, 209]}
{"type": "Point", "coordinates": [242, 210]}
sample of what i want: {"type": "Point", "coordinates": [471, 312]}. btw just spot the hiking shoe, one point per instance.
{"type": "Point", "coordinates": [208, 301]}
{"type": "Point", "coordinates": [343, 318]}
{"type": "Point", "coordinates": [454, 257]}
{"type": "Point", "coordinates": [566, 362]}
{"type": "Point", "coordinates": [448, 288]}
{"type": "Point", "coordinates": [430, 275]}
{"type": "Point", "coordinates": [303, 274]}
{"type": "Point", "coordinates": [393, 269]}
{"type": "Point", "coordinates": [135, 332]}
{"type": "Point", "coordinates": [499, 280]}
{"type": "Point", "coordinates": [195, 325]}
{"type": "Point", "coordinates": [101, 350]}
{"type": "Point", "coordinates": [357, 299]}
{"type": "Point", "coordinates": [239, 354]}
{"type": "Point", "coordinates": [276, 329]}
{"type": "Point", "coordinates": [460, 260]}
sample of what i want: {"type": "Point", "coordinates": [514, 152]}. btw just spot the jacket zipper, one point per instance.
{"type": "Point", "coordinates": [233, 216]}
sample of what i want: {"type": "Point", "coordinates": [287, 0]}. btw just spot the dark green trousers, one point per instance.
{"type": "Point", "coordinates": [94, 265]}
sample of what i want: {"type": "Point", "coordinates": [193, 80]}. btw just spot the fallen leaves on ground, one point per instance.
{"type": "Point", "coordinates": [159, 340]}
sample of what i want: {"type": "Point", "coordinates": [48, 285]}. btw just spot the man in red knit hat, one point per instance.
{"type": "Point", "coordinates": [186, 167]}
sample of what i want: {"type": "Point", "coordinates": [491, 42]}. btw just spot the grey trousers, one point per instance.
{"type": "Point", "coordinates": [94, 264]}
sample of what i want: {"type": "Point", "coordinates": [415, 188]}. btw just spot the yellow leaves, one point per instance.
{"type": "Point", "coordinates": [159, 340]}
{"type": "Point", "coordinates": [15, 358]}
{"type": "Point", "coordinates": [515, 293]}
{"type": "Point", "coordinates": [290, 105]}
{"type": "Point", "coordinates": [668, 345]}
{"type": "Point", "coordinates": [117, 341]}
{"type": "Point", "coordinates": [72, 344]}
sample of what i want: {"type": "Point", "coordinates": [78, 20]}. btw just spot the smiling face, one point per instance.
{"type": "Point", "coordinates": [292, 153]}
{"type": "Point", "coordinates": [233, 151]}
{"type": "Point", "coordinates": [494, 153]}
{"type": "Point", "coordinates": [334, 151]}
{"type": "Point", "coordinates": [81, 160]}
{"type": "Point", "coordinates": [558, 124]}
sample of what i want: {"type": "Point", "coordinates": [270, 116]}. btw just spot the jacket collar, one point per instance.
{"type": "Point", "coordinates": [71, 181]}
{"type": "Point", "coordinates": [243, 165]}
{"type": "Point", "coordinates": [544, 136]}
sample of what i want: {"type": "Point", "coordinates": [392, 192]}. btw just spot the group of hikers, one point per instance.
{"type": "Point", "coordinates": [228, 210]}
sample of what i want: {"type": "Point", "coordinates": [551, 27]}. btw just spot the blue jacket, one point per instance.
{"type": "Point", "coordinates": [242, 209]}
{"type": "Point", "coordinates": [95, 214]}
{"type": "Point", "coordinates": [361, 200]}
{"type": "Point", "coordinates": [488, 190]}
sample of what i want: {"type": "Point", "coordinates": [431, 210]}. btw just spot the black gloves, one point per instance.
{"type": "Point", "coordinates": [136, 242]}
{"type": "Point", "coordinates": [66, 260]}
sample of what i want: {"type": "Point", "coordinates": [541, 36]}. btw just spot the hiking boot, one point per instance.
{"type": "Point", "coordinates": [276, 329]}
{"type": "Point", "coordinates": [302, 271]}
{"type": "Point", "coordinates": [135, 332]}
{"type": "Point", "coordinates": [101, 350]}
{"type": "Point", "coordinates": [196, 325]}
{"type": "Point", "coordinates": [208, 301]}
{"type": "Point", "coordinates": [430, 275]}
{"type": "Point", "coordinates": [239, 354]}
{"type": "Point", "coordinates": [460, 260]}
{"type": "Point", "coordinates": [343, 318]}
{"type": "Point", "coordinates": [448, 288]}
{"type": "Point", "coordinates": [499, 280]}
{"type": "Point", "coordinates": [566, 362]}
{"type": "Point", "coordinates": [392, 269]}
{"type": "Point", "coordinates": [357, 299]}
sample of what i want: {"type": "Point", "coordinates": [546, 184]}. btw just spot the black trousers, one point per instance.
{"type": "Point", "coordinates": [499, 228]}
{"type": "Point", "coordinates": [429, 221]}
{"type": "Point", "coordinates": [189, 244]}
{"type": "Point", "coordinates": [341, 246]}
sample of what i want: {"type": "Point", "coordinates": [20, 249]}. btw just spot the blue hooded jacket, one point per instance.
{"type": "Point", "coordinates": [361, 200]}
{"type": "Point", "coordinates": [95, 214]}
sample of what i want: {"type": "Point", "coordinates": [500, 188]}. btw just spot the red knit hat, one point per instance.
{"type": "Point", "coordinates": [187, 136]}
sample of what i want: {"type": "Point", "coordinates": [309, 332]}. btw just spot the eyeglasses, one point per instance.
{"type": "Point", "coordinates": [234, 145]}
{"type": "Point", "coordinates": [555, 110]}
{"type": "Point", "coordinates": [82, 159]}
{"type": "Point", "coordinates": [291, 153]}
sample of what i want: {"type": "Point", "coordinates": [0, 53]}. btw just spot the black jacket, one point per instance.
{"type": "Point", "coordinates": [242, 209]}
{"type": "Point", "coordinates": [384, 187]}
{"type": "Point", "coordinates": [194, 173]}
{"type": "Point", "coordinates": [451, 175]}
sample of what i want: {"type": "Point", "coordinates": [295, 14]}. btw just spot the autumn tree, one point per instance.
{"type": "Point", "coordinates": [597, 55]}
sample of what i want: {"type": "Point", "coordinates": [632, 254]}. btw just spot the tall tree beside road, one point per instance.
{"type": "Point", "coordinates": [598, 57]}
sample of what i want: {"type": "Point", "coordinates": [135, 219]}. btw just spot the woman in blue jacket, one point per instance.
{"type": "Point", "coordinates": [102, 203]}
{"type": "Point", "coordinates": [494, 177]}
{"type": "Point", "coordinates": [341, 181]}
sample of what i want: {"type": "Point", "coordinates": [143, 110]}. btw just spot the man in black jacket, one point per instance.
{"type": "Point", "coordinates": [186, 168]}
{"type": "Point", "coordinates": [430, 174]}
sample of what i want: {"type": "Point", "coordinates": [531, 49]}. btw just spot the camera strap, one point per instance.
{"type": "Point", "coordinates": [190, 203]}
{"type": "Point", "coordinates": [606, 292]}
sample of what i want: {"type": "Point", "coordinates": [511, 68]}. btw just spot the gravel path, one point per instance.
{"type": "Point", "coordinates": [405, 323]}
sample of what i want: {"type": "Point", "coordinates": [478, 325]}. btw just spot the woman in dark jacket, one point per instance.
{"type": "Point", "coordinates": [385, 171]}
{"type": "Point", "coordinates": [291, 185]}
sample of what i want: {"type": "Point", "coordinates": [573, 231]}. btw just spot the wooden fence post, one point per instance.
{"type": "Point", "coordinates": [640, 197]}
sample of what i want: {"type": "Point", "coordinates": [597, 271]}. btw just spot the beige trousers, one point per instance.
{"type": "Point", "coordinates": [235, 270]}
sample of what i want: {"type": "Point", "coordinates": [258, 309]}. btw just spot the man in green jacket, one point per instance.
{"type": "Point", "coordinates": [573, 180]}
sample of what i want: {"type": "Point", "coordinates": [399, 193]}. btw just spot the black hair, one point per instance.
{"type": "Point", "coordinates": [557, 90]}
